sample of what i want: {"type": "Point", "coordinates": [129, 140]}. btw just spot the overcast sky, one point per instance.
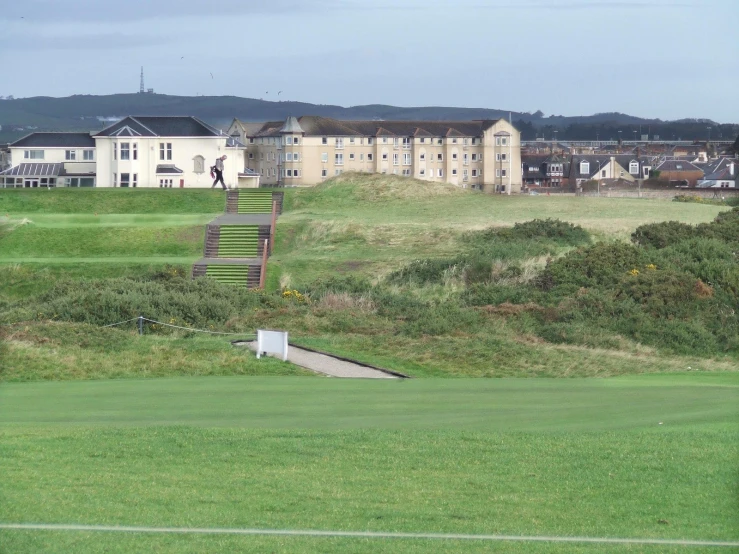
{"type": "Point", "coordinates": [652, 58]}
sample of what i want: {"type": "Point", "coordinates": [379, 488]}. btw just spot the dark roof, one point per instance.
{"type": "Point", "coordinates": [34, 170]}
{"type": "Point", "coordinates": [56, 140]}
{"type": "Point", "coordinates": [168, 169]}
{"type": "Point", "coordinates": [169, 126]}
{"type": "Point", "coordinates": [678, 165]}
{"type": "Point", "coordinates": [721, 170]}
{"type": "Point", "coordinates": [325, 126]}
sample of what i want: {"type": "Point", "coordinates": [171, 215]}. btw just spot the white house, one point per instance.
{"type": "Point", "coordinates": [721, 174]}
{"type": "Point", "coordinates": [51, 160]}
{"type": "Point", "coordinates": [166, 152]}
{"type": "Point", "coordinates": [134, 152]}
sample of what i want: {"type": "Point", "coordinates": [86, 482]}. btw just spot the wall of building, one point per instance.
{"type": "Point", "coordinates": [184, 152]}
{"type": "Point", "coordinates": [51, 155]}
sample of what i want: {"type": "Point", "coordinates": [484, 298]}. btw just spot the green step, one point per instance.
{"type": "Point", "coordinates": [238, 241]}
{"type": "Point", "coordinates": [229, 274]}
{"type": "Point", "coordinates": [257, 202]}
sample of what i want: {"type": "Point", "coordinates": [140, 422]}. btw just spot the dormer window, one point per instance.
{"type": "Point", "coordinates": [634, 168]}
{"type": "Point", "coordinates": [678, 166]}
{"type": "Point", "coordinates": [585, 168]}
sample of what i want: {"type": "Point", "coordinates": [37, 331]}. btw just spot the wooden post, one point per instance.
{"type": "Point", "coordinates": [263, 272]}
{"type": "Point", "coordinates": [272, 228]}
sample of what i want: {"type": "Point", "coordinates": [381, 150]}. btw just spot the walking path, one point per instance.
{"type": "Point", "coordinates": [328, 365]}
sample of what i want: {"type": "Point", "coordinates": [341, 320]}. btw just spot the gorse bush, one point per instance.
{"type": "Point", "coordinates": [561, 232]}
{"type": "Point", "coordinates": [662, 235]}
{"type": "Point", "coordinates": [197, 303]}
{"type": "Point", "coordinates": [602, 264]}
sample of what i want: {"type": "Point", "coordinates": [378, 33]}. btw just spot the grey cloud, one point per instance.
{"type": "Point", "coordinates": [138, 10]}
{"type": "Point", "coordinates": [86, 42]}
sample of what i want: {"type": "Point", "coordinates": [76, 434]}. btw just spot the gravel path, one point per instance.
{"type": "Point", "coordinates": [327, 365]}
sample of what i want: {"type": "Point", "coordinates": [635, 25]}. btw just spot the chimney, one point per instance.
{"type": "Point", "coordinates": [731, 169]}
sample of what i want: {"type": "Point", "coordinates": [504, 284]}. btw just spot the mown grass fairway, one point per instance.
{"type": "Point", "coordinates": [565, 458]}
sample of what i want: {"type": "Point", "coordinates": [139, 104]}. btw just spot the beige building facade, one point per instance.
{"type": "Point", "coordinates": [305, 151]}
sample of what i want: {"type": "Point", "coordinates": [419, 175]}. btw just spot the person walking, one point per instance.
{"type": "Point", "coordinates": [217, 169]}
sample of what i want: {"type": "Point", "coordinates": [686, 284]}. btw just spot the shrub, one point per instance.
{"type": "Point", "coordinates": [666, 294]}
{"type": "Point", "coordinates": [662, 235]}
{"type": "Point", "coordinates": [554, 230]}
{"type": "Point", "coordinates": [600, 264]}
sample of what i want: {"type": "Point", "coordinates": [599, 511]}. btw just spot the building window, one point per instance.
{"type": "Point", "coordinates": [125, 179]}
{"type": "Point", "coordinates": [466, 159]}
{"type": "Point", "coordinates": [454, 141]}
{"type": "Point", "coordinates": [384, 156]}
{"type": "Point", "coordinates": [125, 154]}
{"type": "Point", "coordinates": [33, 154]}
{"type": "Point", "coordinates": [165, 183]}
{"type": "Point", "coordinates": [454, 171]}
{"type": "Point", "coordinates": [88, 155]}
{"type": "Point", "coordinates": [70, 155]}
{"type": "Point", "coordinates": [439, 141]}
{"type": "Point", "coordinates": [474, 157]}
{"type": "Point", "coordinates": [501, 141]}
{"type": "Point", "coordinates": [440, 172]}
{"type": "Point", "coordinates": [440, 157]}
{"type": "Point", "coordinates": [289, 157]}
{"type": "Point", "coordinates": [422, 157]}
{"type": "Point", "coordinates": [423, 140]}
{"type": "Point", "coordinates": [634, 168]}
{"type": "Point", "coordinates": [339, 143]}
{"type": "Point", "coordinates": [115, 151]}
{"type": "Point", "coordinates": [251, 140]}
{"type": "Point", "coordinates": [351, 157]}
{"type": "Point", "coordinates": [501, 157]}
{"type": "Point", "coordinates": [361, 157]}
{"type": "Point", "coordinates": [165, 150]}
{"type": "Point", "coordinates": [324, 173]}
{"type": "Point", "coordinates": [370, 141]}
{"type": "Point", "coordinates": [395, 159]}
{"type": "Point", "coordinates": [324, 157]}
{"type": "Point", "coordinates": [584, 168]}
{"type": "Point", "coordinates": [474, 173]}
{"type": "Point", "coordinates": [384, 140]}
{"type": "Point", "coordinates": [406, 143]}
{"type": "Point", "coordinates": [603, 174]}
{"type": "Point", "coordinates": [422, 173]}
{"type": "Point", "coordinates": [115, 180]}
{"type": "Point", "coordinates": [324, 140]}
{"type": "Point", "coordinates": [296, 140]}
{"type": "Point", "coordinates": [338, 159]}
{"type": "Point", "coordinates": [251, 155]}
{"type": "Point", "coordinates": [337, 172]}
{"type": "Point", "coordinates": [465, 141]}
{"type": "Point", "coordinates": [406, 172]}
{"type": "Point", "coordinates": [454, 156]}
{"type": "Point", "coordinates": [351, 140]}
{"type": "Point", "coordinates": [135, 180]}
{"type": "Point", "coordinates": [370, 157]}
{"type": "Point", "coordinates": [406, 159]}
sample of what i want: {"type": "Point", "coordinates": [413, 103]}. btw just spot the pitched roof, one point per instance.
{"type": "Point", "coordinates": [168, 169]}
{"type": "Point", "coordinates": [55, 140]}
{"type": "Point", "coordinates": [721, 170]}
{"type": "Point", "coordinates": [677, 165]}
{"type": "Point", "coordinates": [325, 126]}
{"type": "Point", "coordinates": [34, 170]}
{"type": "Point", "coordinates": [160, 126]}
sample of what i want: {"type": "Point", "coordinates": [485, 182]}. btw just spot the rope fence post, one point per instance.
{"type": "Point", "coordinates": [263, 272]}
{"type": "Point", "coordinates": [141, 325]}
{"type": "Point", "coordinates": [272, 227]}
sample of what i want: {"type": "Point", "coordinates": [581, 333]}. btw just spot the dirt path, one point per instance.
{"type": "Point", "coordinates": [328, 365]}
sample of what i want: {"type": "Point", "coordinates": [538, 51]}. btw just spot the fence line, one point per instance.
{"type": "Point", "coordinates": [141, 319]}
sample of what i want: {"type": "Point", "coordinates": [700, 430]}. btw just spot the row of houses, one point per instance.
{"type": "Point", "coordinates": [572, 171]}
{"type": "Point", "coordinates": [178, 152]}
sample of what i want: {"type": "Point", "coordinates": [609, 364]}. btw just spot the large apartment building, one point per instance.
{"type": "Point", "coordinates": [484, 155]}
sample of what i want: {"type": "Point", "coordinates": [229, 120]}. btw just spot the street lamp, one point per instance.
{"type": "Point", "coordinates": [598, 176]}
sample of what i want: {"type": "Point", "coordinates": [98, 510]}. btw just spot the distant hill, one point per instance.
{"type": "Point", "coordinates": [23, 115]}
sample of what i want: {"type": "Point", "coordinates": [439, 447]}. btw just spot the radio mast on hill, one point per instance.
{"type": "Point", "coordinates": [141, 88]}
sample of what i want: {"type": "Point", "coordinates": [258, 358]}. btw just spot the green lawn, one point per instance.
{"type": "Point", "coordinates": [111, 201]}
{"type": "Point", "coordinates": [566, 458]}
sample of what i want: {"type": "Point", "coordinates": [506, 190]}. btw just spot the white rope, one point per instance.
{"type": "Point", "coordinates": [121, 323]}
{"type": "Point", "coordinates": [193, 330]}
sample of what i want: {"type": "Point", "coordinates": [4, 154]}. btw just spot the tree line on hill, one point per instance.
{"type": "Point", "coordinates": [21, 116]}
